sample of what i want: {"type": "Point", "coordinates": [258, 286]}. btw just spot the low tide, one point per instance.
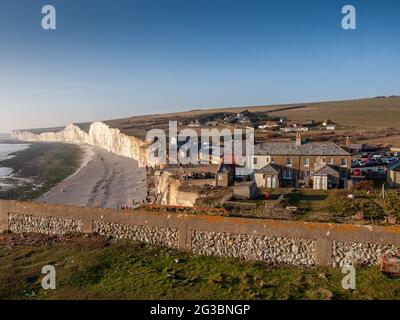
{"type": "Point", "coordinates": [7, 151]}
{"type": "Point", "coordinates": [28, 170]}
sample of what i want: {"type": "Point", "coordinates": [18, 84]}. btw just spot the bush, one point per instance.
{"type": "Point", "coordinates": [364, 185]}
{"type": "Point", "coordinates": [346, 207]}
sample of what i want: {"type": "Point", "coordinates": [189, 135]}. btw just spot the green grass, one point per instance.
{"type": "Point", "coordinates": [330, 205]}
{"type": "Point", "coordinates": [93, 268]}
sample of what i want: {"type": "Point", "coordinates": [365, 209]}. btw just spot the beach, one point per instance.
{"type": "Point", "coordinates": [102, 180]}
{"type": "Point", "coordinates": [7, 151]}
{"type": "Point", "coordinates": [30, 170]}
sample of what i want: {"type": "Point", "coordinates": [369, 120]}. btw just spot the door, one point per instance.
{"type": "Point", "coordinates": [325, 183]}
{"type": "Point", "coordinates": [317, 183]}
{"type": "Point", "coordinates": [321, 183]}
{"type": "Point", "coordinates": [269, 182]}
{"type": "Point", "coordinates": [273, 182]}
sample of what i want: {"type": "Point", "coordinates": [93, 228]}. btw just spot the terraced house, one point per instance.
{"type": "Point", "coordinates": [321, 165]}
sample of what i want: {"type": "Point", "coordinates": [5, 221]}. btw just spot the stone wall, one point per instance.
{"type": "Point", "coordinates": [273, 250]}
{"type": "Point", "coordinates": [162, 236]}
{"type": "Point", "coordinates": [20, 223]}
{"type": "Point", "coordinates": [360, 253]}
{"type": "Point", "coordinates": [271, 241]}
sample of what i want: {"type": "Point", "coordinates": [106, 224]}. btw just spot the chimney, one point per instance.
{"type": "Point", "coordinates": [348, 142]}
{"type": "Point", "coordinates": [298, 139]}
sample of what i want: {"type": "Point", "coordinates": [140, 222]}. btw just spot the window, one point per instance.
{"type": "Point", "coordinates": [323, 160]}
{"type": "Point", "coordinates": [330, 161]}
{"type": "Point", "coordinates": [255, 160]}
{"type": "Point", "coordinates": [307, 174]}
{"type": "Point", "coordinates": [288, 161]}
{"type": "Point", "coordinates": [307, 162]}
{"type": "Point", "coordinates": [343, 162]}
{"type": "Point", "coordinates": [287, 174]}
{"type": "Point", "coordinates": [272, 160]}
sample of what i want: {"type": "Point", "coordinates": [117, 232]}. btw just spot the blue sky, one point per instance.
{"type": "Point", "coordinates": [110, 59]}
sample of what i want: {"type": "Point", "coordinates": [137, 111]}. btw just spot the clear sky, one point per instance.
{"type": "Point", "coordinates": [110, 59]}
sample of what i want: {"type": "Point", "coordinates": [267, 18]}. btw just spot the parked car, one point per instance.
{"type": "Point", "coordinates": [355, 163]}
{"type": "Point", "coordinates": [380, 170]}
{"type": "Point", "coordinates": [389, 160]}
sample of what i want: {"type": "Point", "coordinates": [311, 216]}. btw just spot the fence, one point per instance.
{"type": "Point", "coordinates": [272, 241]}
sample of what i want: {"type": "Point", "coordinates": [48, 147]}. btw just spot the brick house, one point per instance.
{"type": "Point", "coordinates": [297, 161]}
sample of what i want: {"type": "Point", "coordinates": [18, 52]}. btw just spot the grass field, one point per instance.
{"type": "Point", "coordinates": [330, 206]}
{"type": "Point", "coordinates": [365, 113]}
{"type": "Point", "coordinates": [96, 268]}
{"type": "Point", "coordinates": [361, 114]}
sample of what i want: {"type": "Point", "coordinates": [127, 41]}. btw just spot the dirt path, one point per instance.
{"type": "Point", "coordinates": [105, 180]}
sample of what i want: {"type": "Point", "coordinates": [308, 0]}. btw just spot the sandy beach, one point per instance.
{"type": "Point", "coordinates": [103, 180]}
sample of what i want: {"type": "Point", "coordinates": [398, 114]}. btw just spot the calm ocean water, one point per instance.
{"type": "Point", "coordinates": [5, 153]}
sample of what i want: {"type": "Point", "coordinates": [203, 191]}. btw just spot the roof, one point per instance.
{"type": "Point", "coordinates": [395, 166]}
{"type": "Point", "coordinates": [326, 170]}
{"type": "Point", "coordinates": [357, 146]}
{"type": "Point", "coordinates": [226, 168]}
{"type": "Point", "coordinates": [290, 148]}
{"type": "Point", "coordinates": [269, 169]}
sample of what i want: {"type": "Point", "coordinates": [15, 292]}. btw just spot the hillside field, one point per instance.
{"type": "Point", "coordinates": [92, 267]}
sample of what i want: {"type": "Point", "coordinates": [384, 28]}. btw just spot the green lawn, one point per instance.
{"type": "Point", "coordinates": [95, 268]}
{"type": "Point", "coordinates": [326, 206]}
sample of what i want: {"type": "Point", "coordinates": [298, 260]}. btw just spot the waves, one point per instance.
{"type": "Point", "coordinates": [7, 152]}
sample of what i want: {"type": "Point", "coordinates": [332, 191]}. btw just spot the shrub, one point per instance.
{"type": "Point", "coordinates": [364, 185]}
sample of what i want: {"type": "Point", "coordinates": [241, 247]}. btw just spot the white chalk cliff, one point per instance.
{"type": "Point", "coordinates": [99, 135]}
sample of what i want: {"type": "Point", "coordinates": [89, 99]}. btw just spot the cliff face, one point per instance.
{"type": "Point", "coordinates": [168, 189]}
{"type": "Point", "coordinates": [100, 135]}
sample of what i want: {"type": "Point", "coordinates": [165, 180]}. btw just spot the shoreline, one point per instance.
{"type": "Point", "coordinates": [38, 168]}
{"type": "Point", "coordinates": [103, 179]}
{"type": "Point", "coordinates": [86, 157]}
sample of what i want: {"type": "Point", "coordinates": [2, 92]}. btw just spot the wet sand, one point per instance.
{"type": "Point", "coordinates": [104, 180]}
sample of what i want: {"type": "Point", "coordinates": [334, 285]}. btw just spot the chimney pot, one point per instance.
{"type": "Point", "coordinates": [298, 139]}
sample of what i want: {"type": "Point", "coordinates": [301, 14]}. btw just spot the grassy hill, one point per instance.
{"type": "Point", "coordinates": [374, 113]}
{"type": "Point", "coordinates": [91, 267]}
{"type": "Point", "coordinates": [361, 114]}
{"type": "Point", "coordinates": [366, 113]}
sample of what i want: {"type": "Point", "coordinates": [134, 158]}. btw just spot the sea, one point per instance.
{"type": "Point", "coordinates": [6, 152]}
